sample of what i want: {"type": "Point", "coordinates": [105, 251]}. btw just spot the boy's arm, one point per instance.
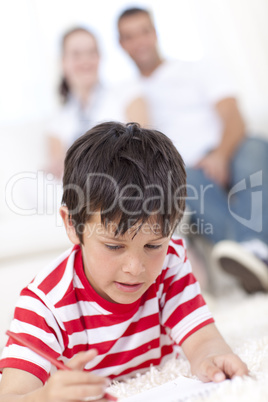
{"type": "Point", "coordinates": [16, 383]}
{"type": "Point", "coordinates": [210, 357]}
{"type": "Point", "coordinates": [19, 385]}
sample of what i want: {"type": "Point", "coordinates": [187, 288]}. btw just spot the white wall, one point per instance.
{"type": "Point", "coordinates": [237, 31]}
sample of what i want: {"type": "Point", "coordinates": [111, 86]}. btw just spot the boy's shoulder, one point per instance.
{"type": "Point", "coordinates": [177, 247]}
{"type": "Point", "coordinates": [54, 281]}
{"type": "Point", "coordinates": [176, 265]}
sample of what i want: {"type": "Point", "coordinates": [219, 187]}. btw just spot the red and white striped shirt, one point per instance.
{"type": "Point", "coordinates": [60, 312]}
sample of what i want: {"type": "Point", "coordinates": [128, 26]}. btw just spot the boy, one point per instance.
{"type": "Point", "coordinates": [124, 297]}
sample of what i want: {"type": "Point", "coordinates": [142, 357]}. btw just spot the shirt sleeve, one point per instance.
{"type": "Point", "coordinates": [34, 321]}
{"type": "Point", "coordinates": [125, 94]}
{"type": "Point", "coordinates": [215, 80]}
{"type": "Point", "coordinates": [184, 310]}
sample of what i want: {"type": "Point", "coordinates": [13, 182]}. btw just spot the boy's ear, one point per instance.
{"type": "Point", "coordinates": [70, 229]}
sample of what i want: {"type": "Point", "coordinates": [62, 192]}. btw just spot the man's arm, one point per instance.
{"type": "Point", "coordinates": [216, 163]}
{"type": "Point", "coordinates": [137, 111]}
{"type": "Point", "coordinates": [233, 126]}
{"type": "Point", "coordinates": [210, 357]}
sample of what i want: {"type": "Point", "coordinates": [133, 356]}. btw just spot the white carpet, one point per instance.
{"type": "Point", "coordinates": [243, 321]}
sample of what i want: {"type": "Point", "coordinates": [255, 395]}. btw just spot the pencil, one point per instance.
{"type": "Point", "coordinates": [46, 356]}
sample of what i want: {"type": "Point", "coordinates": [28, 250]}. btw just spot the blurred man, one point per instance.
{"type": "Point", "coordinates": [194, 103]}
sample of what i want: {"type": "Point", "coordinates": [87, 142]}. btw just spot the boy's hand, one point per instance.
{"type": "Point", "coordinates": [76, 385]}
{"type": "Point", "coordinates": [210, 357]}
{"type": "Point", "coordinates": [220, 367]}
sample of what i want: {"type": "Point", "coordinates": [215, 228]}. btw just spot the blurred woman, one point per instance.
{"type": "Point", "coordinates": [86, 101]}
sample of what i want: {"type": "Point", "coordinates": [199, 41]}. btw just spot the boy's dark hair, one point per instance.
{"type": "Point", "coordinates": [128, 12]}
{"type": "Point", "coordinates": [128, 173]}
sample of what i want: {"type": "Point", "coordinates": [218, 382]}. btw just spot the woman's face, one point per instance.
{"type": "Point", "coordinates": [80, 60]}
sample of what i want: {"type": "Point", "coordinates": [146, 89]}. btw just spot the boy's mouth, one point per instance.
{"type": "Point", "coordinates": [128, 287]}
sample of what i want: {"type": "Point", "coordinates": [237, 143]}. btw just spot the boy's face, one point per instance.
{"type": "Point", "coordinates": [122, 268]}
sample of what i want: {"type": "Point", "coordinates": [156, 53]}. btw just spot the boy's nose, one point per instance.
{"type": "Point", "coordinates": [133, 265]}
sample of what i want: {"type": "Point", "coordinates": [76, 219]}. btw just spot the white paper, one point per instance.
{"type": "Point", "coordinates": [178, 390]}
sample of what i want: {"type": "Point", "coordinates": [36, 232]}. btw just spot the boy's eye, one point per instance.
{"type": "Point", "coordinates": [112, 247]}
{"type": "Point", "coordinates": [153, 246]}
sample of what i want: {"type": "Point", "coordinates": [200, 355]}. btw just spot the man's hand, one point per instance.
{"type": "Point", "coordinates": [216, 167]}
{"type": "Point", "coordinates": [216, 164]}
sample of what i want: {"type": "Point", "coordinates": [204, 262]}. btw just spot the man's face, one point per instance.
{"type": "Point", "coordinates": [138, 38]}
{"type": "Point", "coordinates": [122, 268]}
